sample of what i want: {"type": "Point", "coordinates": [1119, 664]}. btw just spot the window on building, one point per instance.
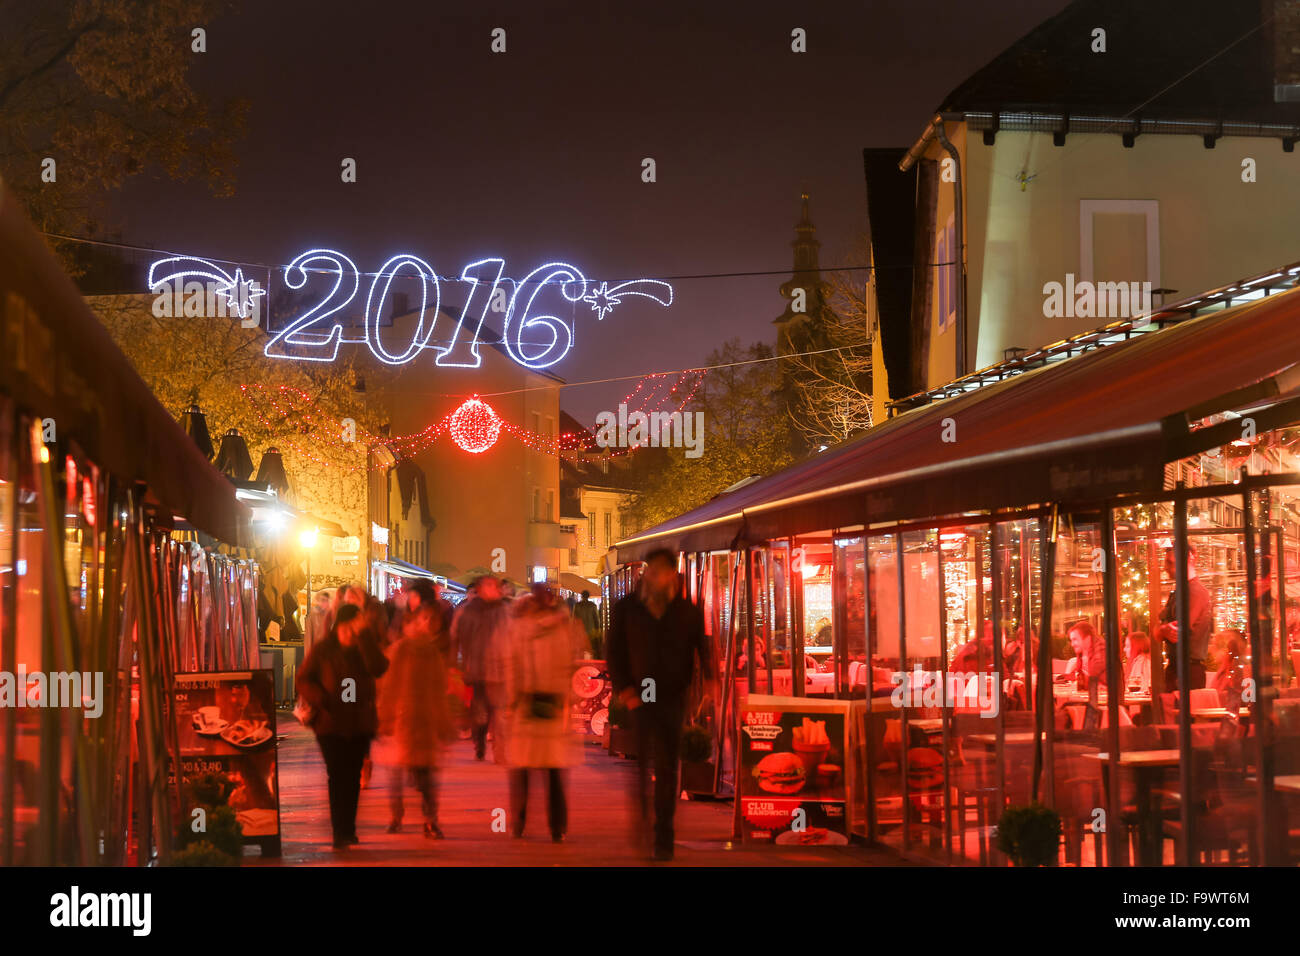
{"type": "Point", "coordinates": [550, 427]}
{"type": "Point", "coordinates": [1119, 248]}
{"type": "Point", "coordinates": [945, 274]}
{"type": "Point", "coordinates": [550, 504]}
{"type": "Point", "coordinates": [591, 529]}
{"type": "Point", "coordinates": [537, 504]}
{"type": "Point", "coordinates": [609, 529]}
{"type": "Point", "coordinates": [573, 557]}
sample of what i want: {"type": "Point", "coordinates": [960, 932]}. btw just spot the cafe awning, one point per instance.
{"type": "Point", "coordinates": [1099, 424]}
{"type": "Point", "coordinates": [58, 362]}
{"type": "Point", "coordinates": [577, 583]}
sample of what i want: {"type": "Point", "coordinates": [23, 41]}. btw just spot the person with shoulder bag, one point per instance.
{"type": "Point", "coordinates": [542, 643]}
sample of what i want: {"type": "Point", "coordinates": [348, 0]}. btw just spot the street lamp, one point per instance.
{"type": "Point", "coordinates": [308, 540]}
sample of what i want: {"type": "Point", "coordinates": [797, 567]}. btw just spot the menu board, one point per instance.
{"type": "Point", "coordinates": [591, 693]}
{"type": "Point", "coordinates": [226, 731]}
{"type": "Point", "coordinates": [791, 784]}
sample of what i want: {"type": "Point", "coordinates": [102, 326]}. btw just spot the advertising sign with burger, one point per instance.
{"type": "Point", "coordinates": [791, 779]}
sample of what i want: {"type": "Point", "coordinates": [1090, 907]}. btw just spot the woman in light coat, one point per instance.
{"type": "Point", "coordinates": [414, 719]}
{"type": "Point", "coordinates": [542, 643]}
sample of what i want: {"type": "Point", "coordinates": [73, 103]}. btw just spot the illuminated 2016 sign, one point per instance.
{"type": "Point", "coordinates": [316, 335]}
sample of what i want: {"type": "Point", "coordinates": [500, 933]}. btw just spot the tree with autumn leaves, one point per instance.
{"type": "Point", "coordinates": [746, 433]}
{"type": "Point", "coordinates": [103, 88]}
{"type": "Point", "coordinates": [301, 408]}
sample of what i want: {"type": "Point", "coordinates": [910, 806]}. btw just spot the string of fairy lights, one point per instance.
{"type": "Point", "coordinates": [474, 425]}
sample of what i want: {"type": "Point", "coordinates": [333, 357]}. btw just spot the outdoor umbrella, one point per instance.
{"type": "Point", "coordinates": [196, 426]}
{"type": "Point", "coordinates": [234, 460]}
{"type": "Point", "coordinates": [271, 472]}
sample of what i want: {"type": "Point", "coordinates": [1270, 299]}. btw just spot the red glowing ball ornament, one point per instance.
{"type": "Point", "coordinates": [475, 426]}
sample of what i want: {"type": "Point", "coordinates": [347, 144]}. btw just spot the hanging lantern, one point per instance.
{"type": "Point", "coordinates": [196, 426]}
{"type": "Point", "coordinates": [475, 426]}
{"type": "Point", "coordinates": [233, 460]}
{"type": "Point", "coordinates": [271, 472]}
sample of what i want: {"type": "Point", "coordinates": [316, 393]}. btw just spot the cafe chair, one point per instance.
{"type": "Point", "coordinates": [973, 793]}
{"type": "Point", "coordinates": [1169, 707]}
{"type": "Point", "coordinates": [925, 790]}
{"type": "Point", "coordinates": [1219, 826]}
{"type": "Point", "coordinates": [1204, 698]}
{"type": "Point", "coordinates": [1077, 797]}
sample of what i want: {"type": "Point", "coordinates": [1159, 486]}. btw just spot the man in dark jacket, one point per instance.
{"type": "Point", "coordinates": [655, 637]}
{"type": "Point", "coordinates": [1199, 626]}
{"type": "Point", "coordinates": [476, 632]}
{"type": "Point", "coordinates": [337, 681]}
{"type": "Point", "coordinates": [587, 614]}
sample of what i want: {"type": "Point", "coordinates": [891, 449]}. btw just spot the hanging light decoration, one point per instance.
{"type": "Point", "coordinates": [480, 425]}
{"type": "Point", "coordinates": [475, 426]}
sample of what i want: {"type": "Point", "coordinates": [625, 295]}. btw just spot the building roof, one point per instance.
{"type": "Point", "coordinates": [1172, 58]}
{"type": "Point", "coordinates": [891, 213]}
{"type": "Point", "coordinates": [571, 426]}
{"type": "Point", "coordinates": [410, 479]}
{"type": "Point", "coordinates": [1101, 423]}
{"type": "Point", "coordinates": [585, 473]}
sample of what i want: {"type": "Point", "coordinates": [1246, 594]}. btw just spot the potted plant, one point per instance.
{"type": "Point", "coordinates": [220, 835]}
{"type": "Point", "coordinates": [202, 853]}
{"type": "Point", "coordinates": [696, 752]}
{"type": "Point", "coordinates": [1030, 835]}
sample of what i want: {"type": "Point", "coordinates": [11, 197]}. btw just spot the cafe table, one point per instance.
{"type": "Point", "coordinates": [1147, 765]}
{"type": "Point", "coordinates": [1216, 713]}
{"type": "Point", "coordinates": [1017, 737]}
{"type": "Point", "coordinates": [1287, 783]}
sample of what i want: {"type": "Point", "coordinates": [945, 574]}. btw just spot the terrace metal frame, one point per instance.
{"type": "Point", "coordinates": [1225, 297]}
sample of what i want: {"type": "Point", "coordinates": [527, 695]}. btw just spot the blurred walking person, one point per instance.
{"type": "Point", "coordinates": [336, 684]}
{"type": "Point", "coordinates": [414, 720]}
{"type": "Point", "coordinates": [318, 616]}
{"type": "Point", "coordinates": [655, 637]}
{"type": "Point", "coordinates": [587, 614]}
{"type": "Point", "coordinates": [477, 633]}
{"type": "Point", "coordinates": [541, 644]}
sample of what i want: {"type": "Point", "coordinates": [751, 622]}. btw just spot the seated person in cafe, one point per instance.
{"type": "Point", "coordinates": [1137, 666]}
{"type": "Point", "coordinates": [1013, 652]}
{"type": "Point", "coordinates": [1230, 655]}
{"type": "Point", "coordinates": [1200, 625]}
{"type": "Point", "coordinates": [972, 654]}
{"type": "Point", "coordinates": [760, 656]}
{"type": "Point", "coordinates": [1089, 661]}
{"type": "Point", "coordinates": [1013, 665]}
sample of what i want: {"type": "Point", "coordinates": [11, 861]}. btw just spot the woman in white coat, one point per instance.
{"type": "Point", "coordinates": [542, 643]}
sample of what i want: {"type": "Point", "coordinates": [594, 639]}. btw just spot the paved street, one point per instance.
{"type": "Point", "coordinates": [599, 834]}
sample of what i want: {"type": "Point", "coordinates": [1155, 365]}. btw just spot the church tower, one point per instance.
{"type": "Point", "coordinates": [805, 293]}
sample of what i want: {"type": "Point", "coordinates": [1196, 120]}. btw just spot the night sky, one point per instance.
{"type": "Point", "coordinates": [535, 155]}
